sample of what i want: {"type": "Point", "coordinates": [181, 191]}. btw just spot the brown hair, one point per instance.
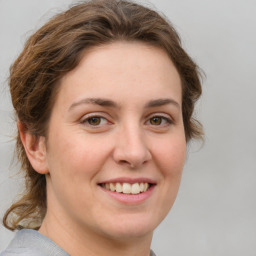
{"type": "Point", "coordinates": [56, 49]}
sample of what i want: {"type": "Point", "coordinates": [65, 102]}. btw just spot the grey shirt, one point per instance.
{"type": "Point", "coordinates": [30, 242]}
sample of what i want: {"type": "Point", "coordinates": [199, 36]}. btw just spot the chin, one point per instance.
{"type": "Point", "coordinates": [131, 227]}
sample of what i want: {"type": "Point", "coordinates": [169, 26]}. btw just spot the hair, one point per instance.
{"type": "Point", "coordinates": [56, 49]}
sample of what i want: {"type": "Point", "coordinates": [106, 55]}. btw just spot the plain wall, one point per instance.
{"type": "Point", "coordinates": [215, 212]}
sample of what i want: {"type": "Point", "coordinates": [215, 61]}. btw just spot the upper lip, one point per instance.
{"type": "Point", "coordinates": [129, 180]}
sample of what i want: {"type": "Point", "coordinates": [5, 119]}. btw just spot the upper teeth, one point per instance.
{"type": "Point", "coordinates": [127, 188]}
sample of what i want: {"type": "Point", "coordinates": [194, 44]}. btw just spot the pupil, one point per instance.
{"type": "Point", "coordinates": [94, 120]}
{"type": "Point", "coordinates": [156, 120]}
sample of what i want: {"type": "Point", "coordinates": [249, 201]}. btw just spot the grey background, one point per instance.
{"type": "Point", "coordinates": [215, 212]}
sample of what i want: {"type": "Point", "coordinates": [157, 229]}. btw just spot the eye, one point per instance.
{"type": "Point", "coordinates": [158, 120]}
{"type": "Point", "coordinates": [94, 121]}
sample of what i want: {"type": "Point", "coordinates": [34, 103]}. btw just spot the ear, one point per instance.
{"type": "Point", "coordinates": [35, 149]}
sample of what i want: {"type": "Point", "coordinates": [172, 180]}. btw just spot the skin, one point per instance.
{"type": "Point", "coordinates": [138, 133]}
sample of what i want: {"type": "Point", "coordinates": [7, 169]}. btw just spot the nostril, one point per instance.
{"type": "Point", "coordinates": [124, 162]}
{"type": "Point", "coordinates": [130, 156]}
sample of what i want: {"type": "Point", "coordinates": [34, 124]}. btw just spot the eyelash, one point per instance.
{"type": "Point", "coordinates": [95, 117]}
{"type": "Point", "coordinates": [164, 121]}
{"type": "Point", "coordinates": [167, 121]}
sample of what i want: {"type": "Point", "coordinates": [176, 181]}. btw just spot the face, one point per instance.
{"type": "Point", "coordinates": [116, 144]}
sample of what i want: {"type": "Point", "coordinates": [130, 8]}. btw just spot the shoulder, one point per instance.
{"type": "Point", "coordinates": [21, 252]}
{"type": "Point", "coordinates": [151, 253]}
{"type": "Point", "coordinates": [31, 243]}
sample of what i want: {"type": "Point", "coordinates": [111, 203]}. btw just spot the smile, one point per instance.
{"type": "Point", "coordinates": [127, 188]}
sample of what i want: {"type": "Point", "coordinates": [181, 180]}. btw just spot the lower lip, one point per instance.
{"type": "Point", "coordinates": [130, 198]}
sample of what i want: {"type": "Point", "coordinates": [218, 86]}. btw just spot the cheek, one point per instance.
{"type": "Point", "coordinates": [73, 164]}
{"type": "Point", "coordinates": [75, 155]}
{"type": "Point", "coordinates": [170, 162]}
{"type": "Point", "coordinates": [171, 157]}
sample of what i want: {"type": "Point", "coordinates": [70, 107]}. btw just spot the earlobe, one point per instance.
{"type": "Point", "coordinates": [35, 149]}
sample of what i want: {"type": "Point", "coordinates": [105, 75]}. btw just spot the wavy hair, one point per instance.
{"type": "Point", "coordinates": [55, 49]}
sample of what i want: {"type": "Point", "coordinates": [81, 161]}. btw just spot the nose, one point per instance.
{"type": "Point", "coordinates": [131, 149]}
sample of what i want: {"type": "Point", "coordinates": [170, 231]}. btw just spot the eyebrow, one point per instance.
{"type": "Point", "coordinates": [109, 103]}
{"type": "Point", "coordinates": [95, 101]}
{"type": "Point", "coordinates": [162, 102]}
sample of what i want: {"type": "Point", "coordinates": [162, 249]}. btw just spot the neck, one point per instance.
{"type": "Point", "coordinates": [77, 240]}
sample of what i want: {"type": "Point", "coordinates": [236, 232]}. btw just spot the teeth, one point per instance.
{"type": "Point", "coordinates": [119, 187]}
{"type": "Point", "coordinates": [112, 187]}
{"type": "Point", "coordinates": [135, 188]}
{"type": "Point", "coordinates": [142, 187]}
{"type": "Point", "coordinates": [146, 187]}
{"type": "Point", "coordinates": [127, 188]}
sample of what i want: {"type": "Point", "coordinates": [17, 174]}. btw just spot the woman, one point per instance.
{"type": "Point", "coordinates": [104, 96]}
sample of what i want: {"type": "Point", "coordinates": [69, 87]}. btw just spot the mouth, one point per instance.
{"type": "Point", "coordinates": [127, 188]}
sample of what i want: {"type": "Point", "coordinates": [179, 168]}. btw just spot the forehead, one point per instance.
{"type": "Point", "coordinates": [133, 69]}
